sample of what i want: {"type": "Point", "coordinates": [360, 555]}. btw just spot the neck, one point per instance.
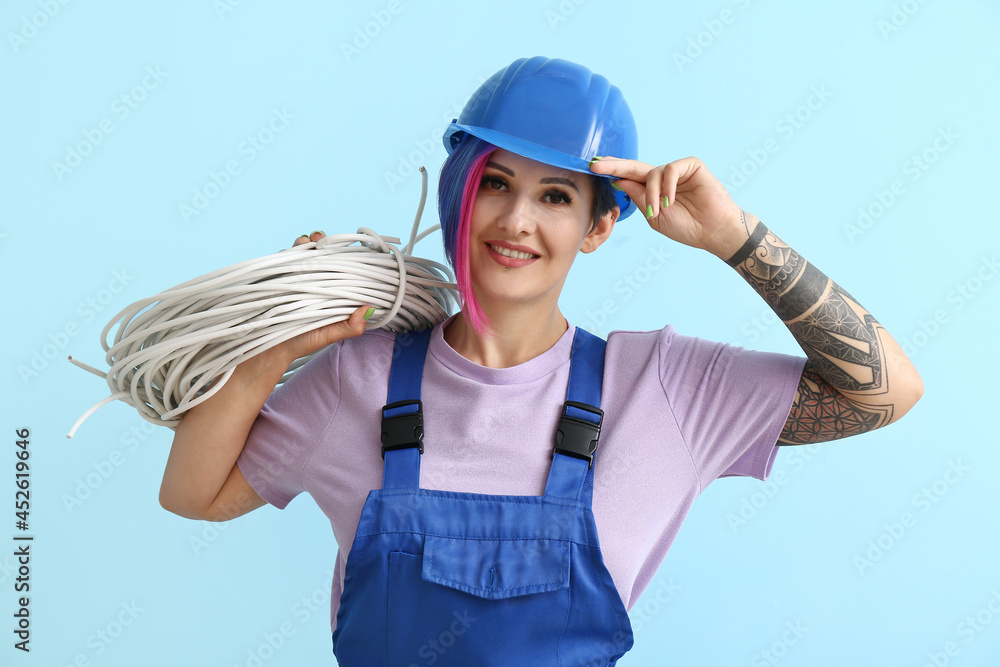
{"type": "Point", "coordinates": [517, 336]}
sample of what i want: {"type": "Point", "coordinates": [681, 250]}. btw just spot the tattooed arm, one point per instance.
{"type": "Point", "coordinates": [856, 378]}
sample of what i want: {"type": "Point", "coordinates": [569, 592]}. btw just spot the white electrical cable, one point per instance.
{"type": "Point", "coordinates": [175, 350]}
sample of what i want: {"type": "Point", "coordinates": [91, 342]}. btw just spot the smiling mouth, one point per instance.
{"type": "Point", "coordinates": [513, 254]}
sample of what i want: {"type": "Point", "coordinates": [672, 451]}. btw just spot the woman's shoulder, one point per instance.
{"type": "Point", "coordinates": [634, 338]}
{"type": "Point", "coordinates": [635, 353]}
{"type": "Point", "coordinates": [666, 338]}
{"type": "Point", "coordinates": [640, 333]}
{"type": "Point", "coordinates": [372, 347]}
{"type": "Point", "coordinates": [369, 355]}
{"type": "Point", "coordinates": [661, 347]}
{"type": "Point", "coordinates": [351, 356]}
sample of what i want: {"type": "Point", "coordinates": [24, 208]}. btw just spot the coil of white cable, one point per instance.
{"type": "Point", "coordinates": [176, 349]}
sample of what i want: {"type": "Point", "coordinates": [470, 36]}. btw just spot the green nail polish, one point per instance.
{"type": "Point", "coordinates": [615, 186]}
{"type": "Point", "coordinates": [649, 210]}
{"type": "Point", "coordinates": [595, 159]}
{"type": "Point", "coordinates": [666, 202]}
{"type": "Point", "coordinates": [369, 313]}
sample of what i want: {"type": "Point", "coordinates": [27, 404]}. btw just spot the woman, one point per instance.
{"type": "Point", "coordinates": [479, 545]}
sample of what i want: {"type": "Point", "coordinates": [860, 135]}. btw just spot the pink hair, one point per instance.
{"type": "Point", "coordinates": [473, 312]}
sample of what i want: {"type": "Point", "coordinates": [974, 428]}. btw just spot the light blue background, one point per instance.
{"type": "Point", "coordinates": [110, 231]}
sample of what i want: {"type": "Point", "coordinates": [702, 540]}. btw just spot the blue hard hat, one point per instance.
{"type": "Point", "coordinates": [552, 111]}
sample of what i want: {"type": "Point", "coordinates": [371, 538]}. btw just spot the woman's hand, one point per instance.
{"type": "Point", "coordinates": [306, 238]}
{"type": "Point", "coordinates": [700, 213]}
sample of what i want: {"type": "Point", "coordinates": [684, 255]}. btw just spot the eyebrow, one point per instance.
{"type": "Point", "coordinates": [562, 181]}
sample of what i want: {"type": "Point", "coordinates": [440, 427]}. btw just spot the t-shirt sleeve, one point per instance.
{"type": "Point", "coordinates": [730, 403]}
{"type": "Point", "coordinates": [290, 427]}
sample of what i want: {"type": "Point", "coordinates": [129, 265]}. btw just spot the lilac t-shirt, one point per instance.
{"type": "Point", "coordinates": [679, 412]}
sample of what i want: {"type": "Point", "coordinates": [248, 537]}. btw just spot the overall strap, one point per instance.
{"type": "Point", "coordinates": [572, 473]}
{"type": "Point", "coordinates": [402, 416]}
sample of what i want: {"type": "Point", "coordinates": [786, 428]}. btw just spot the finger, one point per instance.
{"type": "Point", "coordinates": [302, 239]}
{"type": "Point", "coordinates": [311, 341]}
{"type": "Point", "coordinates": [635, 191]}
{"type": "Point", "coordinates": [357, 320]}
{"type": "Point", "coordinates": [677, 172]}
{"type": "Point", "coordinates": [654, 182]}
{"type": "Point", "coordinates": [633, 178]}
{"type": "Point", "coordinates": [633, 170]}
{"type": "Point", "coordinates": [316, 236]}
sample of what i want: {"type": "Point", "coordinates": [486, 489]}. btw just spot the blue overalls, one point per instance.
{"type": "Point", "coordinates": [445, 578]}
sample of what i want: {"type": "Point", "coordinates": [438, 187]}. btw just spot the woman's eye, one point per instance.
{"type": "Point", "coordinates": [493, 182]}
{"type": "Point", "coordinates": [558, 197]}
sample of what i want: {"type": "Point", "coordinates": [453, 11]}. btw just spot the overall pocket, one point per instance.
{"type": "Point", "coordinates": [475, 601]}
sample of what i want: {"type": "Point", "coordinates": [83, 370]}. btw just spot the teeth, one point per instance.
{"type": "Point", "coordinates": [512, 253]}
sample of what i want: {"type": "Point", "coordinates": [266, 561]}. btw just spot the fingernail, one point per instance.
{"type": "Point", "coordinates": [369, 313]}
{"type": "Point", "coordinates": [316, 233]}
{"type": "Point", "coordinates": [666, 202]}
{"type": "Point", "coordinates": [304, 236]}
{"type": "Point", "coordinates": [595, 159]}
{"type": "Point", "coordinates": [615, 186]}
{"type": "Point", "coordinates": [649, 210]}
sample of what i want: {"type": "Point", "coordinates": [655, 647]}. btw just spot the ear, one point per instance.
{"type": "Point", "coordinates": [601, 232]}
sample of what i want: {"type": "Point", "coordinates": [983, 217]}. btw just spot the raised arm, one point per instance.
{"type": "Point", "coordinates": [201, 479]}
{"type": "Point", "coordinates": [857, 378]}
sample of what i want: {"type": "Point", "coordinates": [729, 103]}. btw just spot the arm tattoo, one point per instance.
{"type": "Point", "coordinates": [821, 413]}
{"type": "Point", "coordinates": [840, 338]}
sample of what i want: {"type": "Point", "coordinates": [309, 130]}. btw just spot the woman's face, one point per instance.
{"type": "Point", "coordinates": [543, 210]}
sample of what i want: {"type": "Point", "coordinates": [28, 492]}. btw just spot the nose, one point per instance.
{"type": "Point", "coordinates": [517, 216]}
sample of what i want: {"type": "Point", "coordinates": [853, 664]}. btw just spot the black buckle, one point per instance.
{"type": "Point", "coordinates": [577, 437]}
{"type": "Point", "coordinates": [402, 431]}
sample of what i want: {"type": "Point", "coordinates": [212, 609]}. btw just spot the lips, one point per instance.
{"type": "Point", "coordinates": [511, 262]}
{"type": "Point", "coordinates": [513, 246]}
{"type": "Point", "coordinates": [515, 252]}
